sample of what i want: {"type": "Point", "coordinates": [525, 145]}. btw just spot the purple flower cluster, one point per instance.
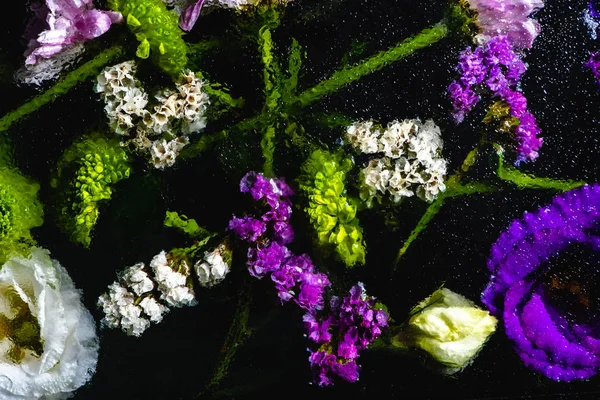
{"type": "Point", "coordinates": [508, 18]}
{"type": "Point", "coordinates": [68, 22]}
{"type": "Point", "coordinates": [495, 65]}
{"type": "Point", "coordinates": [355, 322]}
{"type": "Point", "coordinates": [593, 20]}
{"type": "Point", "coordinates": [348, 326]}
{"type": "Point", "coordinates": [559, 348]}
{"type": "Point", "coordinates": [295, 277]}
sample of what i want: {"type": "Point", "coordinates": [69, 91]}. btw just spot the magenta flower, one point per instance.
{"type": "Point", "coordinates": [68, 22]}
{"type": "Point", "coordinates": [563, 349]}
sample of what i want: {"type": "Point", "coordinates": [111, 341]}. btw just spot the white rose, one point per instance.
{"type": "Point", "coordinates": [449, 327]}
{"type": "Point", "coordinates": [51, 337]}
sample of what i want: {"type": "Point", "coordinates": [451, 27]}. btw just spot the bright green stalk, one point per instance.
{"type": "Point", "coordinates": [90, 69]}
{"type": "Point", "coordinates": [271, 78]}
{"type": "Point", "coordinates": [525, 181]}
{"type": "Point", "coordinates": [343, 77]}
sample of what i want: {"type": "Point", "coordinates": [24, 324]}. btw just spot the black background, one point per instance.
{"type": "Point", "coordinates": [175, 359]}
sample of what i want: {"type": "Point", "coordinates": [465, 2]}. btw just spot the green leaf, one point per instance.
{"type": "Point", "coordinates": [189, 226]}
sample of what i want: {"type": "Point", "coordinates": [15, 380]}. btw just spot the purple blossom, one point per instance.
{"type": "Point", "coordinates": [266, 258]}
{"type": "Point", "coordinates": [528, 142]}
{"type": "Point", "coordinates": [496, 64]}
{"type": "Point", "coordinates": [68, 22]}
{"type": "Point", "coordinates": [594, 9]}
{"type": "Point", "coordinates": [190, 15]}
{"type": "Point", "coordinates": [247, 228]}
{"type": "Point", "coordinates": [594, 64]}
{"type": "Point", "coordinates": [349, 326]}
{"type": "Point", "coordinates": [509, 18]}
{"type": "Point", "coordinates": [546, 341]}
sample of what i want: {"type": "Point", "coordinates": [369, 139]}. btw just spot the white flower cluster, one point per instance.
{"type": "Point", "coordinates": [125, 302]}
{"type": "Point", "coordinates": [162, 131]}
{"type": "Point", "coordinates": [171, 283]}
{"type": "Point", "coordinates": [213, 268]}
{"type": "Point", "coordinates": [130, 302]}
{"type": "Point", "coordinates": [46, 69]}
{"type": "Point", "coordinates": [412, 163]}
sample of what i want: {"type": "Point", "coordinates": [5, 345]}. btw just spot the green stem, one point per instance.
{"type": "Point", "coordinates": [348, 75]}
{"type": "Point", "coordinates": [205, 142]}
{"type": "Point", "coordinates": [238, 332]}
{"type": "Point", "coordinates": [453, 189]}
{"type": "Point", "coordinates": [85, 71]}
{"type": "Point", "coordinates": [525, 181]}
{"type": "Point", "coordinates": [271, 75]}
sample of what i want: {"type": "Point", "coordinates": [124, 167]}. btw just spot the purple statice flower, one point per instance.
{"type": "Point", "coordinates": [496, 67]}
{"type": "Point", "coordinates": [299, 272]}
{"type": "Point", "coordinates": [528, 142]}
{"type": "Point", "coordinates": [594, 64]}
{"type": "Point", "coordinates": [508, 18]}
{"type": "Point", "coordinates": [326, 365]}
{"type": "Point", "coordinates": [247, 228]}
{"type": "Point", "coordinates": [68, 22]}
{"type": "Point", "coordinates": [268, 258]}
{"type": "Point", "coordinates": [349, 326]}
{"type": "Point", "coordinates": [558, 347]}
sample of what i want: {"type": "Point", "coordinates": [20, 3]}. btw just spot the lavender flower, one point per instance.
{"type": "Point", "coordinates": [68, 22]}
{"type": "Point", "coordinates": [594, 64]}
{"type": "Point", "coordinates": [190, 15]}
{"type": "Point", "coordinates": [349, 326]}
{"type": "Point", "coordinates": [295, 277]}
{"type": "Point", "coordinates": [496, 66]}
{"type": "Point", "coordinates": [561, 349]}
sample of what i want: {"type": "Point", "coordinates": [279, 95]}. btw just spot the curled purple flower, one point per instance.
{"type": "Point", "coordinates": [284, 233]}
{"type": "Point", "coordinates": [558, 347]}
{"type": "Point", "coordinates": [190, 15]}
{"type": "Point", "coordinates": [528, 142]}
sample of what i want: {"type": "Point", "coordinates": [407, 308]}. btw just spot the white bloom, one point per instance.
{"type": "Point", "coordinates": [153, 309]}
{"type": "Point", "coordinates": [415, 149]}
{"type": "Point", "coordinates": [212, 269]}
{"type": "Point", "coordinates": [171, 284]}
{"type": "Point", "coordinates": [61, 349]}
{"type": "Point", "coordinates": [449, 327]}
{"type": "Point", "coordinates": [137, 279]}
{"type": "Point", "coordinates": [165, 153]}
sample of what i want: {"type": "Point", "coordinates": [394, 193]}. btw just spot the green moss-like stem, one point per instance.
{"type": "Point", "coordinates": [348, 75]}
{"type": "Point", "coordinates": [89, 69]}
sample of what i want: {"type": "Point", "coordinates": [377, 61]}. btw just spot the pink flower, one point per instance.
{"type": "Point", "coordinates": [69, 22]}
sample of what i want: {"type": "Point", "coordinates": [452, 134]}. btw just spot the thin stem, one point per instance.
{"type": "Point", "coordinates": [345, 76]}
{"type": "Point", "coordinates": [238, 332]}
{"type": "Point", "coordinates": [85, 71]}
{"type": "Point", "coordinates": [452, 184]}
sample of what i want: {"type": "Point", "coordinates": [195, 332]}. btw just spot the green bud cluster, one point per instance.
{"type": "Point", "coordinates": [157, 30]}
{"type": "Point", "coordinates": [85, 176]}
{"type": "Point", "coordinates": [331, 211]}
{"type": "Point", "coordinates": [20, 210]}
